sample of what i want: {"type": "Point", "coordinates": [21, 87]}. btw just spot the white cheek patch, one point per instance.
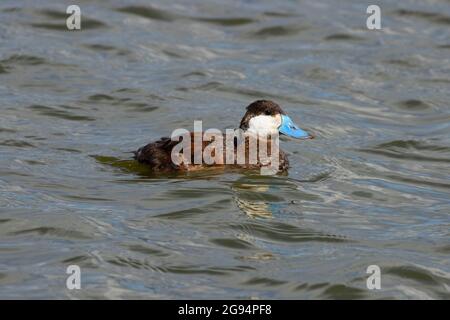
{"type": "Point", "coordinates": [264, 124]}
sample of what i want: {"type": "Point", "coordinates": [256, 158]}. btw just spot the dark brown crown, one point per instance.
{"type": "Point", "coordinates": [260, 107]}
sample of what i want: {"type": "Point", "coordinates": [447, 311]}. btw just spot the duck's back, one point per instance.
{"type": "Point", "coordinates": [158, 156]}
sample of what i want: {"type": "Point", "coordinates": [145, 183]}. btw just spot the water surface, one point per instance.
{"type": "Point", "coordinates": [372, 188]}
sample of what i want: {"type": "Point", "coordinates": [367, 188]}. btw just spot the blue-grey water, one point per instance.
{"type": "Point", "coordinates": [373, 188]}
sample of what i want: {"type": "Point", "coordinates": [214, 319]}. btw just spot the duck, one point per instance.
{"type": "Point", "coordinates": [261, 119]}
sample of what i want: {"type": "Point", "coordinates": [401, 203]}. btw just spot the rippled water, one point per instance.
{"type": "Point", "coordinates": [372, 188]}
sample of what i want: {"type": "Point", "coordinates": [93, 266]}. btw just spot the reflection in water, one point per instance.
{"type": "Point", "coordinates": [249, 197]}
{"type": "Point", "coordinates": [252, 208]}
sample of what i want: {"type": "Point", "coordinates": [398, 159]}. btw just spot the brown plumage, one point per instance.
{"type": "Point", "coordinates": [157, 155]}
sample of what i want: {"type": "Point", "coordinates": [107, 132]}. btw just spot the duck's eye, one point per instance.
{"type": "Point", "coordinates": [267, 113]}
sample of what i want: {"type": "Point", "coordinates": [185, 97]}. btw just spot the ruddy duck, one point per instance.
{"type": "Point", "coordinates": [263, 118]}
